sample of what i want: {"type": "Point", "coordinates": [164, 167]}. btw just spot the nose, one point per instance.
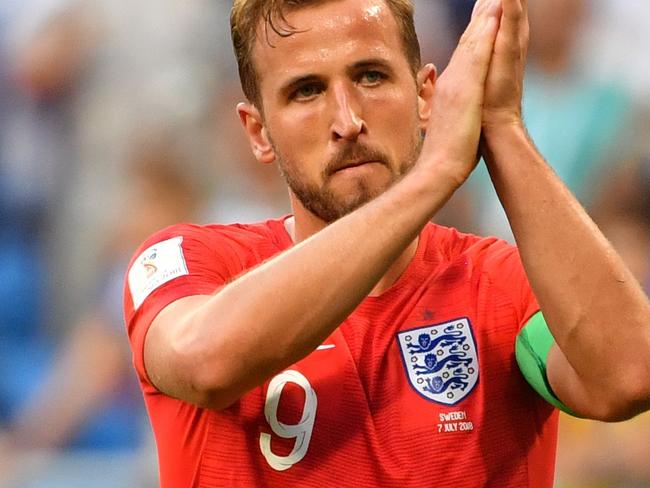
{"type": "Point", "coordinates": [346, 122]}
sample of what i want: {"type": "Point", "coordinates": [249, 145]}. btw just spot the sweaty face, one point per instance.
{"type": "Point", "coordinates": [340, 105]}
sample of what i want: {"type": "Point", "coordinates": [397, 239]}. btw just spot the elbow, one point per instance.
{"type": "Point", "coordinates": [212, 393]}
{"type": "Point", "coordinates": [626, 400]}
{"type": "Point", "coordinates": [209, 381]}
{"type": "Point", "coordinates": [215, 400]}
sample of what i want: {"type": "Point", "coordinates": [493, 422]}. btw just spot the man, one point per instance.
{"type": "Point", "coordinates": [353, 343]}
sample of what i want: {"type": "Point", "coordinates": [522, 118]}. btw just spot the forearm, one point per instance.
{"type": "Point", "coordinates": [279, 312]}
{"type": "Point", "coordinates": [595, 309]}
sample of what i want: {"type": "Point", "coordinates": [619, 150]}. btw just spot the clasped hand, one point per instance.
{"type": "Point", "coordinates": [480, 90]}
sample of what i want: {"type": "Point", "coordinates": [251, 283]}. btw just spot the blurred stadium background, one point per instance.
{"type": "Point", "coordinates": [117, 118]}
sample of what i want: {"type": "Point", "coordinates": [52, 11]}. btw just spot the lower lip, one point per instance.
{"type": "Point", "coordinates": [362, 167]}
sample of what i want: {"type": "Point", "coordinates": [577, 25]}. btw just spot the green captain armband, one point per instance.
{"type": "Point", "coordinates": [533, 344]}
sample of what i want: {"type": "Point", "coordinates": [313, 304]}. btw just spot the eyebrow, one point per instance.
{"type": "Point", "coordinates": [295, 82]}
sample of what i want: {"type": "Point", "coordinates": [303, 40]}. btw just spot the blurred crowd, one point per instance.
{"type": "Point", "coordinates": [117, 118]}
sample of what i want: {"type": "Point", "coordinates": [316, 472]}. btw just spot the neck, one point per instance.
{"type": "Point", "coordinates": [304, 224]}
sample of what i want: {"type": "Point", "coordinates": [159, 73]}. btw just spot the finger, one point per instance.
{"type": "Point", "coordinates": [472, 56]}
{"type": "Point", "coordinates": [511, 20]}
{"type": "Point", "coordinates": [524, 8]}
{"type": "Point", "coordinates": [485, 45]}
{"type": "Point", "coordinates": [482, 9]}
{"type": "Point", "coordinates": [479, 8]}
{"type": "Point", "coordinates": [525, 26]}
{"type": "Point", "coordinates": [476, 34]}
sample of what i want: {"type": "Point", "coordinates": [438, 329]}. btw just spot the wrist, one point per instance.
{"type": "Point", "coordinates": [506, 130]}
{"type": "Point", "coordinates": [434, 180]}
{"type": "Point", "coordinates": [495, 119]}
{"type": "Point", "coordinates": [444, 173]}
{"type": "Point", "coordinates": [508, 146]}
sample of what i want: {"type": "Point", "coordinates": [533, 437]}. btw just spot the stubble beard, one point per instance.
{"type": "Point", "coordinates": [323, 202]}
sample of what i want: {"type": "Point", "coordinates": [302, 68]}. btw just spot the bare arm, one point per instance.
{"type": "Point", "coordinates": [597, 312]}
{"type": "Point", "coordinates": [595, 309]}
{"type": "Point", "coordinates": [209, 350]}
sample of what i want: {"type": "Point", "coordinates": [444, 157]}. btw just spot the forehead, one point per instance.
{"type": "Point", "coordinates": [337, 30]}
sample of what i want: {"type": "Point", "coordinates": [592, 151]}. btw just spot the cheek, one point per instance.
{"type": "Point", "coordinates": [382, 114]}
{"type": "Point", "coordinates": [298, 133]}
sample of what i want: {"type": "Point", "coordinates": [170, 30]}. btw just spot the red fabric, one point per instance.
{"type": "Point", "coordinates": [371, 427]}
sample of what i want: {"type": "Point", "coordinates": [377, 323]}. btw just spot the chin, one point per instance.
{"type": "Point", "coordinates": [363, 182]}
{"type": "Point", "coordinates": [362, 192]}
{"type": "Point", "coordinates": [342, 193]}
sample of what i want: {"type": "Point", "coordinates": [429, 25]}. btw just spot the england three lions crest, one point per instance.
{"type": "Point", "coordinates": [441, 360]}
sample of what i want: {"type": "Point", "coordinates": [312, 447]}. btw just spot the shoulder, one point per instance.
{"type": "Point", "coordinates": [235, 240]}
{"type": "Point", "coordinates": [486, 252]}
{"type": "Point", "coordinates": [209, 254]}
{"type": "Point", "coordinates": [244, 233]}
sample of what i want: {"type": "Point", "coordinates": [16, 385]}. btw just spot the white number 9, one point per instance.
{"type": "Point", "coordinates": [300, 431]}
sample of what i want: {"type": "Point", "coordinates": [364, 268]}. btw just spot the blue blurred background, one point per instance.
{"type": "Point", "coordinates": [117, 118]}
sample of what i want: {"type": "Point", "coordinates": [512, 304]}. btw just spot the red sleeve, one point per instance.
{"type": "Point", "coordinates": [180, 261]}
{"type": "Point", "coordinates": [506, 272]}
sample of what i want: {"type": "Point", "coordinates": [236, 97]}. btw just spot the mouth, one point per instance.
{"type": "Point", "coordinates": [355, 164]}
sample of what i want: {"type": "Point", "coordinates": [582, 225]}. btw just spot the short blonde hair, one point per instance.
{"type": "Point", "coordinates": [246, 16]}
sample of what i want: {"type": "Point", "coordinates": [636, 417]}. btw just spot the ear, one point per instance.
{"type": "Point", "coordinates": [258, 138]}
{"type": "Point", "coordinates": [426, 80]}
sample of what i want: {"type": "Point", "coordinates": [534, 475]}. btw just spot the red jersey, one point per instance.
{"type": "Point", "coordinates": [418, 387]}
